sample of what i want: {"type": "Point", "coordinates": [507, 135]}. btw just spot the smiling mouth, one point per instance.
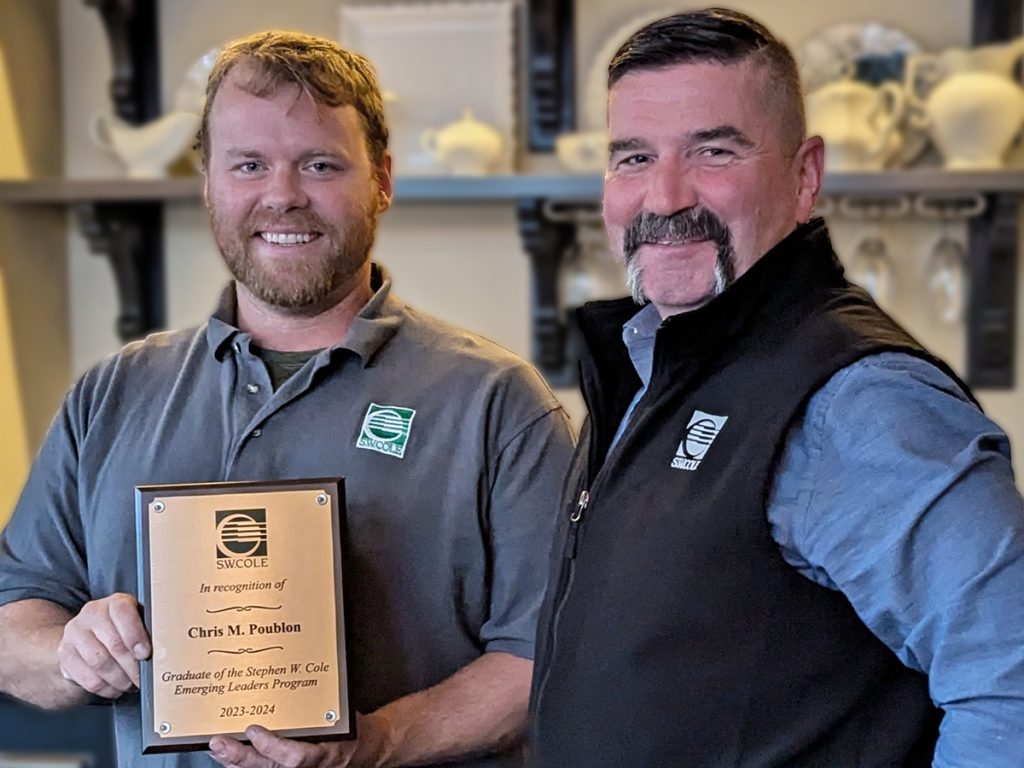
{"type": "Point", "coordinates": [288, 238]}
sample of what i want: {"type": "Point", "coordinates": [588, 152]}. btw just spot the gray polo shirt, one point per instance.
{"type": "Point", "coordinates": [447, 541]}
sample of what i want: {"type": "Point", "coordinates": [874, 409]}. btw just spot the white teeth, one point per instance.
{"type": "Point", "coordinates": [282, 238]}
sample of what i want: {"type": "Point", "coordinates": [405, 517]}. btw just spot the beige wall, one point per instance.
{"type": "Point", "coordinates": [464, 263]}
{"type": "Point", "coordinates": [34, 347]}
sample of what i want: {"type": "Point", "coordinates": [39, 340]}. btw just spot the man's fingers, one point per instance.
{"type": "Point", "coordinates": [74, 669]}
{"type": "Point", "coordinates": [233, 754]}
{"type": "Point", "coordinates": [114, 645]}
{"type": "Point", "coordinates": [98, 658]}
{"type": "Point", "coordinates": [283, 752]}
{"type": "Point", "coordinates": [124, 616]}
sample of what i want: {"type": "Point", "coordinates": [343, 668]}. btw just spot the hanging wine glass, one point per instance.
{"type": "Point", "coordinates": [872, 269]}
{"type": "Point", "coordinates": [947, 275]}
{"type": "Point", "coordinates": [947, 280]}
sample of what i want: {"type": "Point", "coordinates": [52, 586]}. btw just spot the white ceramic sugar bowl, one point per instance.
{"type": "Point", "coordinates": [467, 147]}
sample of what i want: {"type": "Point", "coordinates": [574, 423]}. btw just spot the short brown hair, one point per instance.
{"type": "Point", "coordinates": [725, 37]}
{"type": "Point", "coordinates": [320, 68]}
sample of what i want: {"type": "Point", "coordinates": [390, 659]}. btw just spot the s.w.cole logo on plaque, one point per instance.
{"type": "Point", "coordinates": [241, 537]}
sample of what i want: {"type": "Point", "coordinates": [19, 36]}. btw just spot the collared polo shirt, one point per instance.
{"type": "Point", "coordinates": [446, 542]}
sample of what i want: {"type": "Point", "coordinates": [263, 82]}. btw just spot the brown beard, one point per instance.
{"type": "Point", "coordinates": [305, 286]}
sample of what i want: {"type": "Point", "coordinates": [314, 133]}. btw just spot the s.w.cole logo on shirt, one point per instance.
{"type": "Point", "coordinates": [386, 429]}
{"type": "Point", "coordinates": [700, 434]}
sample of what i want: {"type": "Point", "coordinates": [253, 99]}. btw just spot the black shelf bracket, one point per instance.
{"type": "Point", "coordinates": [131, 235]}
{"type": "Point", "coordinates": [131, 27]}
{"type": "Point", "coordinates": [551, 104]}
{"type": "Point", "coordinates": [992, 243]}
{"type": "Point", "coordinates": [545, 243]}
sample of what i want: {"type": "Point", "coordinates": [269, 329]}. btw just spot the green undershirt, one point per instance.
{"type": "Point", "coordinates": [281, 365]}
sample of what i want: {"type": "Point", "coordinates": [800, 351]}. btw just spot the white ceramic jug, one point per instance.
{"type": "Point", "coordinates": [975, 108]}
{"type": "Point", "coordinates": [146, 150]}
{"type": "Point", "coordinates": [466, 147]}
{"type": "Point", "coordinates": [858, 122]}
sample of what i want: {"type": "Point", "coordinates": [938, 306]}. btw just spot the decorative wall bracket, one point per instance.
{"type": "Point", "coordinates": [546, 242]}
{"type": "Point", "coordinates": [131, 27]}
{"type": "Point", "coordinates": [130, 235]}
{"type": "Point", "coordinates": [551, 103]}
{"type": "Point", "coordinates": [993, 242]}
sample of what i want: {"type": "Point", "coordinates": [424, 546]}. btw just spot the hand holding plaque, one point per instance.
{"type": "Point", "coordinates": [241, 588]}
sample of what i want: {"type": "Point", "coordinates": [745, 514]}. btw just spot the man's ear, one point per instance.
{"type": "Point", "coordinates": [385, 184]}
{"type": "Point", "coordinates": [810, 160]}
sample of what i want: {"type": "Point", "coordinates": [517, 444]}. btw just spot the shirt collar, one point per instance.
{"type": "Point", "coordinates": [638, 336]}
{"type": "Point", "coordinates": [372, 328]}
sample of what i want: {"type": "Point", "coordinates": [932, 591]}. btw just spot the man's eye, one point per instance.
{"type": "Point", "coordinates": [321, 167]}
{"type": "Point", "coordinates": [715, 153]}
{"type": "Point", "coordinates": [634, 160]}
{"type": "Point", "coordinates": [249, 167]}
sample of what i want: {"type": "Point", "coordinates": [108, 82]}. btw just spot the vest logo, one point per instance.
{"type": "Point", "coordinates": [700, 434]}
{"type": "Point", "coordinates": [386, 429]}
{"type": "Point", "coordinates": [241, 538]}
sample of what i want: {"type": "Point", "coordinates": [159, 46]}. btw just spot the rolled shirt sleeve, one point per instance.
{"type": "Point", "coordinates": [898, 491]}
{"type": "Point", "coordinates": [524, 498]}
{"type": "Point", "coordinates": [42, 548]}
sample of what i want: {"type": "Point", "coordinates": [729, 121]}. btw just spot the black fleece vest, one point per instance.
{"type": "Point", "coordinates": [673, 632]}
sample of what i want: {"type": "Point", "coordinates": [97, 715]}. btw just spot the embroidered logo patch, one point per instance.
{"type": "Point", "coordinates": [700, 434]}
{"type": "Point", "coordinates": [386, 429]}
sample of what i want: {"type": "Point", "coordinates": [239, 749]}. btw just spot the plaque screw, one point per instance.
{"type": "Point", "coordinates": [165, 728]}
{"type": "Point", "coordinates": [331, 716]}
{"type": "Point", "coordinates": [321, 499]}
{"type": "Point", "coordinates": [158, 506]}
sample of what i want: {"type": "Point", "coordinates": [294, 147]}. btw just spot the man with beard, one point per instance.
{"type": "Point", "coordinates": [790, 537]}
{"type": "Point", "coordinates": [445, 535]}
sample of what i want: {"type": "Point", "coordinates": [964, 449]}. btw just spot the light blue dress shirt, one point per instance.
{"type": "Point", "coordinates": [897, 491]}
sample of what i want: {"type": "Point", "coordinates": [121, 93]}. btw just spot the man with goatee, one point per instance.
{"type": "Point", "coordinates": [790, 537]}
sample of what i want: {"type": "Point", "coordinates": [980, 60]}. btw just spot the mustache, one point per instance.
{"type": "Point", "coordinates": [688, 224]}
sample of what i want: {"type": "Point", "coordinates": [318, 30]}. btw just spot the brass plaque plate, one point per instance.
{"type": "Point", "coordinates": [242, 595]}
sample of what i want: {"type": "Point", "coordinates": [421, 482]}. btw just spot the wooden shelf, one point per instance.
{"type": "Point", "coordinates": [425, 189]}
{"type": "Point", "coordinates": [409, 189]}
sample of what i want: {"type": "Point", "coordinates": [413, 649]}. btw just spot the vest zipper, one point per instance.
{"type": "Point", "coordinates": [568, 571]}
{"type": "Point", "coordinates": [574, 523]}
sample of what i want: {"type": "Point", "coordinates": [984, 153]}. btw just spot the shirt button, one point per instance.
{"type": "Point", "coordinates": [257, 432]}
{"type": "Point", "coordinates": [252, 389]}
{"type": "Point", "coordinates": [237, 347]}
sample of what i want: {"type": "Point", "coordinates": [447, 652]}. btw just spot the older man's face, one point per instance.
{"type": "Point", "coordinates": [700, 183]}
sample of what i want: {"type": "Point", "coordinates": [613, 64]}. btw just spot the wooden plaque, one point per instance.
{"type": "Point", "coordinates": [242, 594]}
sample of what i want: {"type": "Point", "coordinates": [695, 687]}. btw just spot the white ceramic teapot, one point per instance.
{"type": "Point", "coordinates": [466, 147]}
{"type": "Point", "coordinates": [976, 108]}
{"type": "Point", "coordinates": [858, 122]}
{"type": "Point", "coordinates": [146, 150]}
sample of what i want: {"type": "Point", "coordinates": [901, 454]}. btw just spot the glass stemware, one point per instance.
{"type": "Point", "coordinates": [947, 280]}
{"type": "Point", "coordinates": [872, 269]}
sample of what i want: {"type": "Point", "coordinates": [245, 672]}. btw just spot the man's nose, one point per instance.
{"type": "Point", "coordinates": [670, 188]}
{"type": "Point", "coordinates": [285, 190]}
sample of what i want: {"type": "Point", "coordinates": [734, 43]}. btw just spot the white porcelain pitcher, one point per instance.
{"type": "Point", "coordinates": [975, 108]}
{"type": "Point", "coordinates": [146, 150]}
{"type": "Point", "coordinates": [858, 122]}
